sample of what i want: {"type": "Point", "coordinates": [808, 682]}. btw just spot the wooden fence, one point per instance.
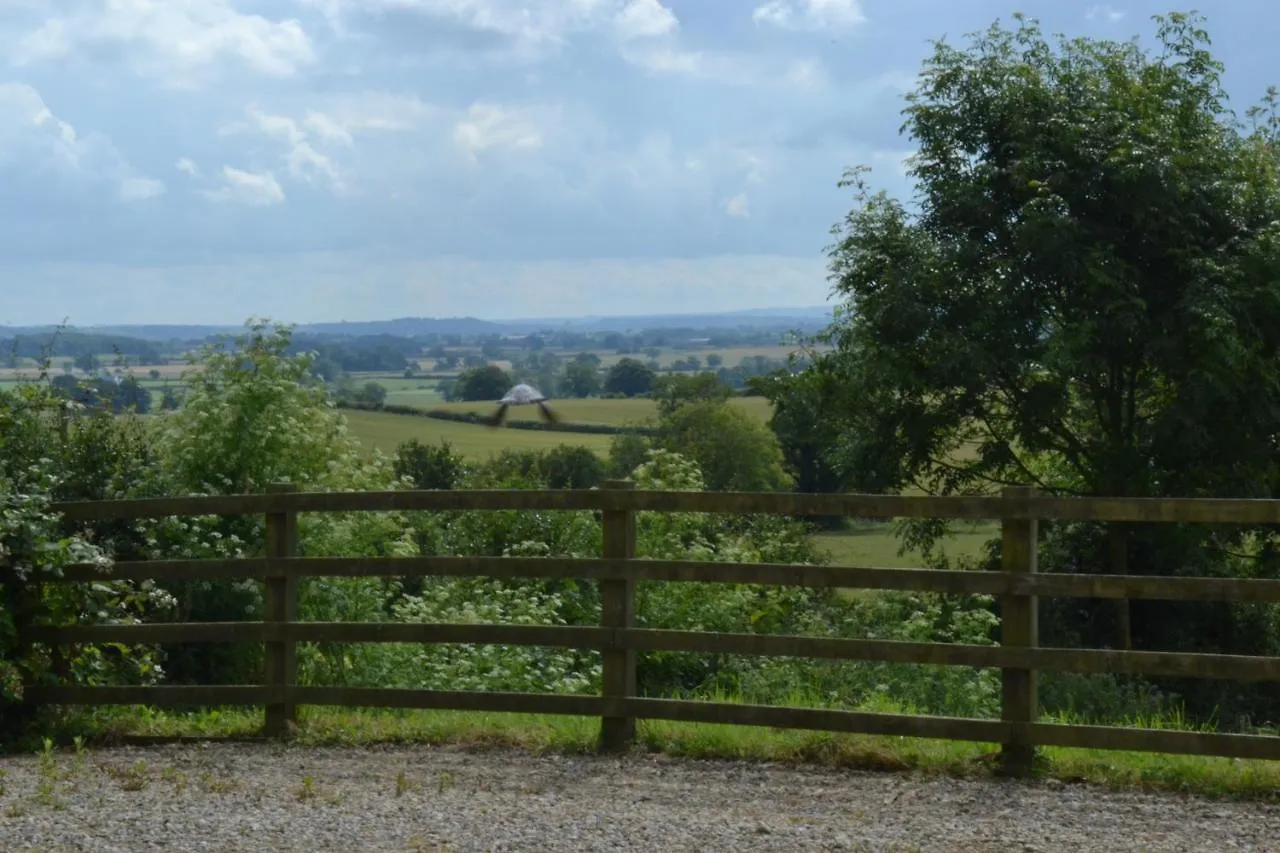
{"type": "Point", "coordinates": [1017, 587]}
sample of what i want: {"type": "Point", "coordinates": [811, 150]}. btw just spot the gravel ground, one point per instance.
{"type": "Point", "coordinates": [250, 797]}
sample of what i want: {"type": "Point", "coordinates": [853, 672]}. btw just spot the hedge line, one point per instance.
{"type": "Point", "coordinates": [476, 418]}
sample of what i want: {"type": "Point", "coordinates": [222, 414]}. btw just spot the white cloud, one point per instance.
{"type": "Point", "coordinates": [531, 25]}
{"type": "Point", "coordinates": [644, 19]}
{"type": "Point", "coordinates": [532, 29]}
{"type": "Point", "coordinates": [809, 14]}
{"type": "Point", "coordinates": [806, 73]}
{"type": "Point", "coordinates": [1104, 13]}
{"type": "Point", "coordinates": [738, 207]}
{"type": "Point", "coordinates": [182, 42]}
{"type": "Point", "coordinates": [255, 189]}
{"type": "Point", "coordinates": [184, 164]}
{"type": "Point", "coordinates": [140, 189]}
{"type": "Point", "coordinates": [361, 111]}
{"type": "Point", "coordinates": [32, 136]}
{"type": "Point", "coordinates": [486, 126]}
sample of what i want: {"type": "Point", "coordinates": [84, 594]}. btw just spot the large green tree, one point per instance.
{"type": "Point", "coordinates": [1084, 296]}
{"type": "Point", "coordinates": [733, 449]}
{"type": "Point", "coordinates": [630, 377]}
{"type": "Point", "coordinates": [482, 383]}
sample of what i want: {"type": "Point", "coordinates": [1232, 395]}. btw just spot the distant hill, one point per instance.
{"type": "Point", "coordinates": [801, 318]}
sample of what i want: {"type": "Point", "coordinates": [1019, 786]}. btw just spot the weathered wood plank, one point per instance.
{"type": "Point", "coordinates": [167, 695]}
{"type": "Point", "coordinates": [1265, 747]}
{"type": "Point", "coordinates": [961, 729]}
{"type": "Point", "coordinates": [779, 574]}
{"type": "Point", "coordinates": [281, 609]}
{"type": "Point", "coordinates": [1167, 664]}
{"type": "Point", "coordinates": [560, 636]}
{"type": "Point", "coordinates": [138, 570]}
{"type": "Point", "coordinates": [945, 728]}
{"type": "Point", "coordinates": [1253, 590]}
{"type": "Point", "coordinates": [1019, 631]}
{"type": "Point", "coordinates": [390, 697]}
{"type": "Point", "coordinates": [1195, 510]}
{"type": "Point", "coordinates": [156, 632]}
{"type": "Point", "coordinates": [618, 613]}
{"type": "Point", "coordinates": [1170, 664]}
{"type": "Point", "coordinates": [852, 722]}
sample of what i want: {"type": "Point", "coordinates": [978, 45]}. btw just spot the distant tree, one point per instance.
{"type": "Point", "coordinates": [804, 406]}
{"type": "Point", "coordinates": [169, 399]}
{"type": "Point", "coordinates": [692, 362]}
{"type": "Point", "coordinates": [673, 391]}
{"type": "Point", "coordinates": [154, 374]}
{"type": "Point", "coordinates": [482, 383]}
{"type": "Point", "coordinates": [87, 361]}
{"type": "Point", "coordinates": [734, 450]}
{"type": "Point", "coordinates": [368, 394]}
{"type": "Point", "coordinates": [715, 360]}
{"type": "Point", "coordinates": [579, 380]}
{"type": "Point", "coordinates": [630, 377]}
{"type": "Point", "coordinates": [126, 395]}
{"type": "Point", "coordinates": [429, 466]}
{"type": "Point", "coordinates": [587, 358]}
{"type": "Point", "coordinates": [326, 368]}
{"type": "Point", "coordinates": [627, 451]}
{"type": "Point", "coordinates": [572, 467]}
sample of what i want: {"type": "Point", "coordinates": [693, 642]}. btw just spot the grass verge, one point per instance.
{"type": "Point", "coordinates": [540, 734]}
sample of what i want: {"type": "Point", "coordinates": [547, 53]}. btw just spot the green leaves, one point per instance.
{"type": "Point", "coordinates": [1084, 279]}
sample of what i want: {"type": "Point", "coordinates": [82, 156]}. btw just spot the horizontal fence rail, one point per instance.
{"type": "Point", "coordinates": [1156, 510]}
{"type": "Point", "coordinates": [1017, 587]}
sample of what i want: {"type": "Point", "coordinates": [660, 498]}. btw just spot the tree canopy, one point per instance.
{"type": "Point", "coordinates": [1085, 297]}
{"type": "Point", "coordinates": [482, 383]}
{"type": "Point", "coordinates": [629, 376]}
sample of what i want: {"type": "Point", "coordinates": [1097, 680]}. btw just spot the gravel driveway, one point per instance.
{"type": "Point", "coordinates": [254, 797]}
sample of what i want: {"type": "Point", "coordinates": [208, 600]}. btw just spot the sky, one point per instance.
{"type": "Point", "coordinates": [204, 161]}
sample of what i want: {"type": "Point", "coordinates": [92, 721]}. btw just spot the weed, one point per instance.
{"type": "Point", "coordinates": [404, 784]}
{"type": "Point", "coordinates": [212, 784]}
{"type": "Point", "coordinates": [307, 791]}
{"type": "Point", "coordinates": [175, 777]}
{"type": "Point", "coordinates": [132, 778]}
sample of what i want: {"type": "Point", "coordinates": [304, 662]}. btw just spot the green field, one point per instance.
{"type": "Point", "coordinates": [387, 431]}
{"type": "Point", "coordinates": [731, 355]}
{"type": "Point", "coordinates": [617, 412]}
{"type": "Point", "coordinates": [876, 546]}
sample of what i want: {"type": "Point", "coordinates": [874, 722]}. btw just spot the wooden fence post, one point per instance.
{"type": "Point", "coordinates": [282, 609]}
{"type": "Point", "coordinates": [1020, 627]}
{"type": "Point", "coordinates": [618, 610]}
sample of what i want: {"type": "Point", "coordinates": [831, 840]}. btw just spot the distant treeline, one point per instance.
{"type": "Point", "coordinates": [62, 345]}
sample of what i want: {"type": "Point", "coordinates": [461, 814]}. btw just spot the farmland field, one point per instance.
{"type": "Point", "coordinates": [731, 355]}
{"type": "Point", "coordinates": [875, 545]}
{"type": "Point", "coordinates": [616, 412]}
{"type": "Point", "coordinates": [386, 431]}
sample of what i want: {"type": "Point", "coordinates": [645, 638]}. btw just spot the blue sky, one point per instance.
{"type": "Point", "coordinates": [312, 160]}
